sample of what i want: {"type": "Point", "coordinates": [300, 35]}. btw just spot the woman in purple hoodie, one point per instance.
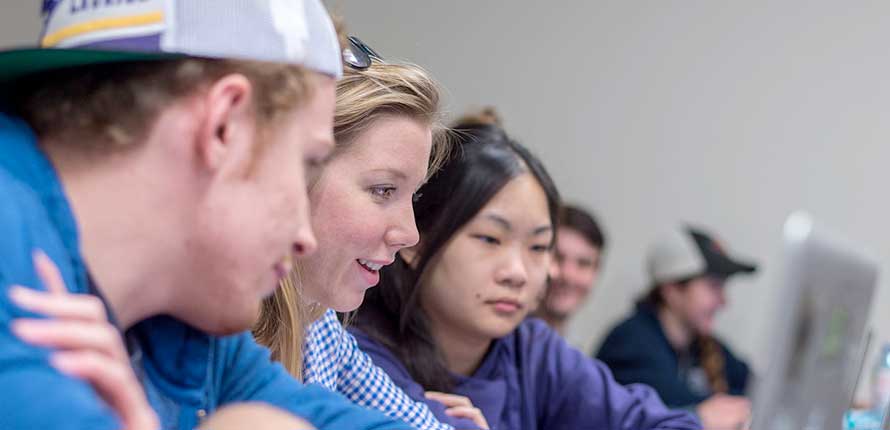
{"type": "Point", "coordinates": [450, 314]}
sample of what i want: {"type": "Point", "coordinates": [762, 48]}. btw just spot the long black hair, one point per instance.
{"type": "Point", "coordinates": [485, 159]}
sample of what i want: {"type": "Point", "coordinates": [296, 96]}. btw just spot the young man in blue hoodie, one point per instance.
{"type": "Point", "coordinates": [155, 151]}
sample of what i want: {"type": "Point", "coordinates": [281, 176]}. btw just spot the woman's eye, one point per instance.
{"type": "Point", "coordinates": [487, 239]}
{"type": "Point", "coordinates": [383, 192]}
{"type": "Point", "coordinates": [540, 248]}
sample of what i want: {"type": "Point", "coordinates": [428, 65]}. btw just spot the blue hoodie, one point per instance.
{"type": "Point", "coordinates": [186, 374]}
{"type": "Point", "coordinates": [532, 379]}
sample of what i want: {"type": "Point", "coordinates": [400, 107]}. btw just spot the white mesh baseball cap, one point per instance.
{"type": "Point", "coordinates": [686, 252]}
{"type": "Point", "coordinates": [83, 32]}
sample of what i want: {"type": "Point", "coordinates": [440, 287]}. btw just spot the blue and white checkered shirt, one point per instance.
{"type": "Point", "coordinates": [334, 360]}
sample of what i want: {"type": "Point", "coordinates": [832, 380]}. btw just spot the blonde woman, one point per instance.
{"type": "Point", "coordinates": [388, 137]}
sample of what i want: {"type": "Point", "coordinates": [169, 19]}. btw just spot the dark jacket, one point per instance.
{"type": "Point", "coordinates": [637, 351]}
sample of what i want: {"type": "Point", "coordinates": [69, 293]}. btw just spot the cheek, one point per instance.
{"type": "Point", "coordinates": [578, 280]}
{"type": "Point", "coordinates": [712, 302]}
{"type": "Point", "coordinates": [589, 277]}
{"type": "Point", "coordinates": [234, 228]}
{"type": "Point", "coordinates": [279, 202]}
{"type": "Point", "coordinates": [457, 284]}
{"type": "Point", "coordinates": [334, 215]}
{"type": "Point", "coordinates": [282, 161]}
{"type": "Point", "coordinates": [538, 269]}
{"type": "Point", "coordinates": [287, 149]}
{"type": "Point", "coordinates": [345, 215]}
{"type": "Point", "coordinates": [708, 301]}
{"type": "Point", "coordinates": [442, 299]}
{"type": "Point", "coordinates": [705, 308]}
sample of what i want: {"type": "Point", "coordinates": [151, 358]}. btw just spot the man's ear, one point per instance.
{"type": "Point", "coordinates": [227, 136]}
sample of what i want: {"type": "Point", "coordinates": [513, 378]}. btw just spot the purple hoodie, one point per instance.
{"type": "Point", "coordinates": [532, 379]}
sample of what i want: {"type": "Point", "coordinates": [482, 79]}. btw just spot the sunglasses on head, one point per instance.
{"type": "Point", "coordinates": [358, 55]}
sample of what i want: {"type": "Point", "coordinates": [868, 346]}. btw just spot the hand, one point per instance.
{"type": "Point", "coordinates": [254, 416]}
{"type": "Point", "coordinates": [87, 345]}
{"type": "Point", "coordinates": [459, 407]}
{"type": "Point", "coordinates": [722, 412]}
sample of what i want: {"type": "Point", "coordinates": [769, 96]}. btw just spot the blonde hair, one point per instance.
{"type": "Point", "coordinates": [284, 318]}
{"type": "Point", "coordinates": [85, 107]}
{"type": "Point", "coordinates": [363, 97]}
{"type": "Point", "coordinates": [385, 89]}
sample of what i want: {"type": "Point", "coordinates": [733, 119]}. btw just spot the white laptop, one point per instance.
{"type": "Point", "coordinates": [823, 306]}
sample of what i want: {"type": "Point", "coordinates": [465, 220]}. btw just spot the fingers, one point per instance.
{"type": "Point", "coordinates": [470, 413]}
{"type": "Point", "coordinates": [459, 407]}
{"type": "Point", "coordinates": [255, 416]}
{"type": "Point", "coordinates": [69, 335]}
{"type": "Point", "coordinates": [115, 382]}
{"type": "Point", "coordinates": [463, 412]}
{"type": "Point", "coordinates": [449, 400]}
{"type": "Point", "coordinates": [63, 306]}
{"type": "Point", "coordinates": [49, 273]}
{"type": "Point", "coordinates": [105, 372]}
{"type": "Point", "coordinates": [91, 348]}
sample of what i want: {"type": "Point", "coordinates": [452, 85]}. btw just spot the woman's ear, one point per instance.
{"type": "Point", "coordinates": [671, 293]}
{"type": "Point", "coordinates": [410, 255]}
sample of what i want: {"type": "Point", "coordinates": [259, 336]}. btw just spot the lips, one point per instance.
{"type": "Point", "coordinates": [370, 270]}
{"type": "Point", "coordinates": [374, 267]}
{"type": "Point", "coordinates": [284, 266]}
{"type": "Point", "coordinates": [505, 305]}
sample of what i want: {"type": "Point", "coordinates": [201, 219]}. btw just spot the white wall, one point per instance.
{"type": "Point", "coordinates": [19, 21]}
{"type": "Point", "coordinates": [726, 114]}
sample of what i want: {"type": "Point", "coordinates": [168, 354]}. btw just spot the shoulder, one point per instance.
{"type": "Point", "coordinates": [20, 212]}
{"type": "Point", "coordinates": [637, 328]}
{"type": "Point", "coordinates": [535, 330]}
{"type": "Point", "coordinates": [18, 208]}
{"type": "Point", "coordinates": [726, 349]}
{"type": "Point", "coordinates": [12, 128]}
{"type": "Point", "coordinates": [327, 351]}
{"type": "Point", "coordinates": [25, 227]}
{"type": "Point", "coordinates": [635, 323]}
{"type": "Point", "coordinates": [326, 333]}
{"type": "Point", "coordinates": [368, 343]}
{"type": "Point", "coordinates": [638, 339]}
{"type": "Point", "coordinates": [537, 345]}
{"type": "Point", "coordinates": [382, 356]}
{"type": "Point", "coordinates": [25, 223]}
{"type": "Point", "coordinates": [328, 321]}
{"type": "Point", "coordinates": [734, 362]}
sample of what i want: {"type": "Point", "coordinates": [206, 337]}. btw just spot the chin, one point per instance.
{"type": "Point", "coordinates": [500, 329]}
{"type": "Point", "coordinates": [230, 322]}
{"type": "Point", "coordinates": [348, 303]}
{"type": "Point", "coordinates": [706, 329]}
{"type": "Point", "coordinates": [561, 308]}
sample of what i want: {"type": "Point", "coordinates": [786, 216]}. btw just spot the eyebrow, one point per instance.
{"type": "Point", "coordinates": [509, 227]}
{"type": "Point", "coordinates": [398, 174]}
{"type": "Point", "coordinates": [542, 229]}
{"type": "Point", "coordinates": [500, 221]}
